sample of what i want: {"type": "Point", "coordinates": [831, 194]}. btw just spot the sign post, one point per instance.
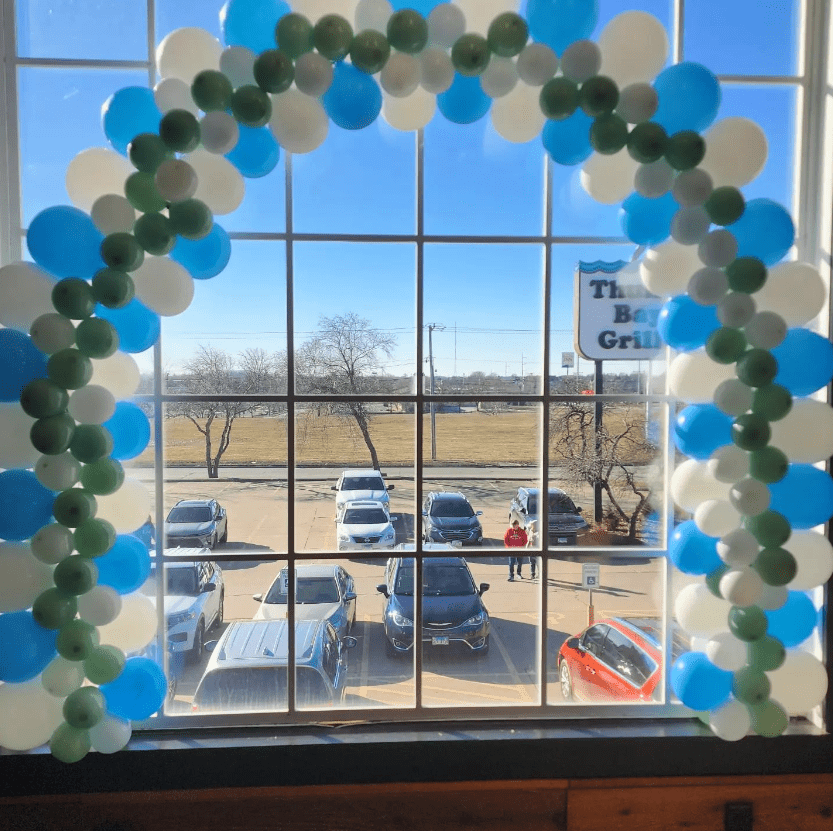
{"type": "Point", "coordinates": [590, 581]}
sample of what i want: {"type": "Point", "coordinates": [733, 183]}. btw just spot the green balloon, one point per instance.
{"type": "Point", "coordinates": [69, 368]}
{"type": "Point", "coordinates": [85, 707]}
{"type": "Point", "coordinates": [54, 609]}
{"type": "Point", "coordinates": [776, 566]}
{"type": "Point", "coordinates": [369, 51]}
{"type": "Point", "coordinates": [73, 298]}
{"type": "Point", "coordinates": [713, 580]}
{"type": "Point", "coordinates": [769, 719]}
{"type": "Point", "coordinates": [74, 506]}
{"type": "Point", "coordinates": [508, 34]}
{"type": "Point", "coordinates": [69, 744]}
{"type": "Point", "coordinates": [96, 338]}
{"type": "Point", "coordinates": [609, 134]}
{"type": "Point", "coordinates": [332, 36]}
{"type": "Point", "coordinates": [251, 106]}
{"type": "Point", "coordinates": [190, 218]}
{"type": "Point", "coordinates": [91, 442]}
{"type": "Point", "coordinates": [274, 71]}
{"type": "Point", "coordinates": [772, 401]}
{"type": "Point", "coordinates": [211, 90]}
{"type": "Point", "coordinates": [685, 150]}
{"type": "Point", "coordinates": [768, 465]}
{"type": "Point", "coordinates": [75, 575]}
{"type": "Point", "coordinates": [757, 368]}
{"type": "Point", "coordinates": [104, 664]}
{"type": "Point", "coordinates": [147, 151]}
{"type": "Point", "coordinates": [745, 274]}
{"type": "Point", "coordinates": [470, 55]}
{"type": "Point", "coordinates": [647, 142]}
{"type": "Point", "coordinates": [102, 477]}
{"type": "Point", "coordinates": [77, 640]}
{"type": "Point", "coordinates": [726, 345]}
{"type": "Point", "coordinates": [747, 623]}
{"type": "Point", "coordinates": [94, 537]}
{"type": "Point", "coordinates": [53, 435]}
{"type": "Point", "coordinates": [42, 398]}
{"type": "Point", "coordinates": [293, 34]}
{"type": "Point", "coordinates": [751, 686]}
{"type": "Point", "coordinates": [769, 528]}
{"type": "Point", "coordinates": [140, 190]}
{"type": "Point", "coordinates": [724, 206]}
{"type": "Point", "coordinates": [750, 432]}
{"type": "Point", "coordinates": [766, 654]}
{"type": "Point", "coordinates": [122, 251]}
{"type": "Point", "coordinates": [408, 32]}
{"type": "Point", "coordinates": [154, 233]}
{"type": "Point", "coordinates": [180, 131]}
{"type": "Point", "coordinates": [558, 98]}
{"type": "Point", "coordinates": [113, 289]}
{"type": "Point", "coordinates": [598, 95]}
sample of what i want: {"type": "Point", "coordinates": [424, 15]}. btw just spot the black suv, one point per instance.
{"type": "Point", "coordinates": [565, 520]}
{"type": "Point", "coordinates": [447, 517]}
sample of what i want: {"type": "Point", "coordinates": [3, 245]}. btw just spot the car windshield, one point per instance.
{"type": "Point", "coordinates": [189, 513]}
{"type": "Point", "coordinates": [362, 483]}
{"type": "Point", "coordinates": [451, 508]}
{"type": "Point", "coordinates": [364, 516]}
{"type": "Point", "coordinates": [309, 590]}
{"type": "Point", "coordinates": [438, 580]}
{"type": "Point", "coordinates": [180, 581]}
{"type": "Point", "coordinates": [258, 688]}
{"type": "Point", "coordinates": [560, 503]}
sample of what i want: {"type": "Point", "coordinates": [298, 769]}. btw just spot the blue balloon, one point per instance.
{"type": "Point", "coordinates": [700, 429]}
{"type": "Point", "coordinates": [26, 648]}
{"type": "Point", "coordinates": [794, 622]}
{"type": "Point", "coordinates": [568, 140]}
{"type": "Point", "coordinates": [137, 325]}
{"type": "Point", "coordinates": [126, 566]}
{"type": "Point", "coordinates": [692, 551]}
{"type": "Point", "coordinates": [65, 241]}
{"type": "Point", "coordinates": [464, 102]}
{"type": "Point", "coordinates": [804, 496]}
{"type": "Point", "coordinates": [647, 221]}
{"type": "Point", "coordinates": [689, 97]}
{"type": "Point", "coordinates": [27, 505]}
{"type": "Point", "coordinates": [138, 692]}
{"type": "Point", "coordinates": [685, 325]}
{"type": "Point", "coordinates": [22, 362]}
{"type": "Point", "coordinates": [698, 683]}
{"type": "Point", "coordinates": [558, 23]}
{"type": "Point", "coordinates": [805, 362]}
{"type": "Point", "coordinates": [204, 258]}
{"type": "Point", "coordinates": [127, 113]}
{"type": "Point", "coordinates": [252, 23]}
{"type": "Point", "coordinates": [256, 152]}
{"type": "Point", "coordinates": [130, 430]}
{"type": "Point", "coordinates": [354, 99]}
{"type": "Point", "coordinates": [765, 230]}
{"type": "Point", "coordinates": [424, 7]}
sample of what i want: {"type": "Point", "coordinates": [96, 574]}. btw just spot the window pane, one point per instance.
{"type": "Point", "coordinates": [174, 14]}
{"type": "Point", "coordinates": [263, 209]}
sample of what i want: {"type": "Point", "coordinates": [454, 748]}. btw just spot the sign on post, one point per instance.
{"type": "Point", "coordinates": [567, 360]}
{"type": "Point", "coordinates": [590, 576]}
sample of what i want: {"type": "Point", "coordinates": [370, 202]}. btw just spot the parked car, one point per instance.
{"type": "Point", "coordinates": [565, 520]}
{"type": "Point", "coordinates": [196, 523]}
{"type": "Point", "coordinates": [453, 613]}
{"type": "Point", "coordinates": [361, 484]}
{"type": "Point", "coordinates": [247, 670]}
{"type": "Point", "coordinates": [448, 517]}
{"type": "Point", "coordinates": [364, 525]}
{"type": "Point", "coordinates": [322, 592]}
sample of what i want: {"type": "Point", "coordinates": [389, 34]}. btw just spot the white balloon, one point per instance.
{"type": "Point", "coordinates": [299, 123]}
{"type": "Point", "coordinates": [795, 291]}
{"type": "Point", "coordinates": [237, 64]}
{"type": "Point", "coordinates": [29, 715]}
{"type": "Point", "coordinates": [25, 295]}
{"type": "Point", "coordinates": [729, 464]}
{"type": "Point", "coordinates": [581, 60]}
{"type": "Point", "coordinates": [716, 517]}
{"type": "Point", "coordinates": [735, 309]}
{"type": "Point", "coordinates": [113, 214]}
{"type": "Point", "coordinates": [119, 373]}
{"type": "Point", "coordinates": [731, 721]}
{"type": "Point", "coordinates": [185, 52]}
{"type": "Point", "coordinates": [707, 286]}
{"type": "Point", "coordinates": [52, 332]}
{"type": "Point", "coordinates": [609, 178]}
{"type": "Point", "coordinates": [100, 606]}
{"type": "Point", "coordinates": [733, 397]}
{"type": "Point", "coordinates": [127, 508]}
{"type": "Point", "coordinates": [480, 13]}
{"type": "Point", "coordinates": [220, 184]}
{"type": "Point", "coordinates": [373, 14]}
{"type": "Point", "coordinates": [742, 587]}
{"type": "Point", "coordinates": [736, 151]}
{"type": "Point", "coordinates": [667, 268]}
{"type": "Point", "coordinates": [164, 285]}
{"type": "Point", "coordinates": [134, 627]}
{"type": "Point", "coordinates": [314, 10]}
{"type": "Point", "coordinates": [692, 483]}
{"type": "Point", "coordinates": [766, 330]}
{"type": "Point", "coordinates": [690, 225]}
{"type": "Point", "coordinates": [537, 63]}
{"type": "Point", "coordinates": [637, 103]}
{"type": "Point", "coordinates": [724, 650]}
{"type": "Point", "coordinates": [313, 74]}
{"type": "Point", "coordinates": [23, 577]}
{"type": "Point", "coordinates": [111, 734]}
{"type": "Point", "coordinates": [219, 134]}
{"type": "Point", "coordinates": [52, 543]}
{"type": "Point", "coordinates": [653, 180]}
{"type": "Point", "coordinates": [16, 450]}
{"type": "Point", "coordinates": [694, 376]}
{"type": "Point", "coordinates": [699, 612]}
{"type": "Point", "coordinates": [773, 597]}
{"type": "Point", "coordinates": [174, 94]}
{"type": "Point", "coordinates": [176, 180]}
{"type": "Point", "coordinates": [738, 548]}
{"type": "Point", "coordinates": [800, 683]}
{"type": "Point", "coordinates": [92, 404]}
{"type": "Point", "coordinates": [718, 248]}
{"type": "Point", "coordinates": [517, 116]}
{"type": "Point", "coordinates": [446, 24]}
{"type": "Point", "coordinates": [634, 47]}
{"type": "Point", "coordinates": [813, 559]}
{"type": "Point", "coordinates": [500, 77]}
{"type": "Point", "coordinates": [62, 676]}
{"type": "Point", "coordinates": [692, 187]}
{"type": "Point", "coordinates": [401, 75]}
{"type": "Point", "coordinates": [437, 70]}
{"type": "Point", "coordinates": [805, 434]}
{"type": "Point", "coordinates": [95, 172]}
{"type": "Point", "coordinates": [58, 472]}
{"type": "Point", "coordinates": [411, 113]}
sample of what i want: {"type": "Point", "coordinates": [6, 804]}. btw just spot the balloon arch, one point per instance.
{"type": "Point", "coordinates": [142, 229]}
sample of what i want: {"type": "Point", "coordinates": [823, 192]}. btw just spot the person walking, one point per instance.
{"type": "Point", "coordinates": [515, 537]}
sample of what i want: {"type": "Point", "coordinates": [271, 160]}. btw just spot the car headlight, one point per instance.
{"type": "Point", "coordinates": [400, 620]}
{"type": "Point", "coordinates": [476, 620]}
{"type": "Point", "coordinates": [389, 535]}
{"type": "Point", "coordinates": [344, 538]}
{"type": "Point", "coordinates": [180, 617]}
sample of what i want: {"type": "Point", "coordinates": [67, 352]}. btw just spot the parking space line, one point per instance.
{"type": "Point", "coordinates": [504, 653]}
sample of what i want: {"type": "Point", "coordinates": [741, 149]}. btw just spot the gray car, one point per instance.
{"type": "Point", "coordinates": [196, 523]}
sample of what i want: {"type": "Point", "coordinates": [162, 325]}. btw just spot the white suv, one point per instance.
{"type": "Point", "coordinates": [365, 525]}
{"type": "Point", "coordinates": [362, 484]}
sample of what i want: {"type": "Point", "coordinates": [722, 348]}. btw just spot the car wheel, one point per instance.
{"type": "Point", "coordinates": [218, 621]}
{"type": "Point", "coordinates": [224, 538]}
{"type": "Point", "coordinates": [566, 681]}
{"type": "Point", "coordinates": [199, 642]}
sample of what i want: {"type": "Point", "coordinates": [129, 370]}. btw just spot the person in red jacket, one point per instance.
{"type": "Point", "coordinates": [515, 537]}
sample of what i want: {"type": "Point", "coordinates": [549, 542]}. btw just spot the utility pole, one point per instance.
{"type": "Point", "coordinates": [432, 406]}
